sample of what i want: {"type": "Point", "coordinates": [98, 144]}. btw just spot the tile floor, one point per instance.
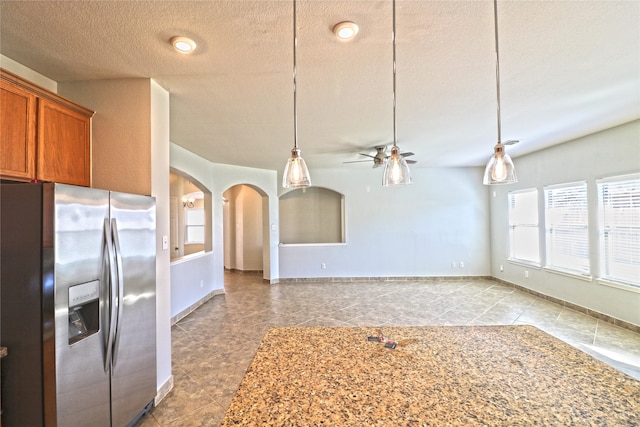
{"type": "Point", "coordinates": [214, 345]}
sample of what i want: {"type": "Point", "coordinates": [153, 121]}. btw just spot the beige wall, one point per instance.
{"type": "Point", "coordinates": [243, 229]}
{"type": "Point", "coordinates": [121, 131]}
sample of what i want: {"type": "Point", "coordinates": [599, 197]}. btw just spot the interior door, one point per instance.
{"type": "Point", "coordinates": [173, 226]}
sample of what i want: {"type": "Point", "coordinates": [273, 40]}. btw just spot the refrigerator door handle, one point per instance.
{"type": "Point", "coordinates": [112, 295]}
{"type": "Point", "coordinates": [120, 302]}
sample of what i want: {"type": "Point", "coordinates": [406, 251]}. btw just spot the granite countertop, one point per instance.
{"type": "Point", "coordinates": [480, 375]}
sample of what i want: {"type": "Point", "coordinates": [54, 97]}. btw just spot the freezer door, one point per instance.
{"type": "Point", "coordinates": [133, 382]}
{"type": "Point", "coordinates": [74, 217]}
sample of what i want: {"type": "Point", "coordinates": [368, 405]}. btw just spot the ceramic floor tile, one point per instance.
{"type": "Point", "coordinates": [214, 345]}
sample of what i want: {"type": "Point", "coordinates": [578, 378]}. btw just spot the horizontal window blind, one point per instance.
{"type": "Point", "coordinates": [524, 238]}
{"type": "Point", "coordinates": [619, 233]}
{"type": "Point", "coordinates": [194, 224]}
{"type": "Point", "coordinates": [566, 228]}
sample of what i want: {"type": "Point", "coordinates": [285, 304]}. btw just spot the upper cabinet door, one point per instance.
{"type": "Point", "coordinates": [64, 150]}
{"type": "Point", "coordinates": [17, 133]}
{"type": "Point", "coordinates": [43, 136]}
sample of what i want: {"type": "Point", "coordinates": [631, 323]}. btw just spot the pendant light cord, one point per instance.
{"type": "Point", "coordinates": [393, 38]}
{"type": "Point", "coordinates": [295, 101]}
{"type": "Point", "coordinates": [495, 19]}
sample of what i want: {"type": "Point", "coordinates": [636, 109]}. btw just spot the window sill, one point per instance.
{"type": "Point", "coordinates": [618, 285]}
{"type": "Point", "coordinates": [312, 244]}
{"type": "Point", "coordinates": [585, 277]}
{"type": "Point", "coordinates": [190, 257]}
{"type": "Point", "coordinates": [524, 263]}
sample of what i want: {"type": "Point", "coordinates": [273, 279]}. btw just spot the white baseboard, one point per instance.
{"type": "Point", "coordinates": [163, 391]}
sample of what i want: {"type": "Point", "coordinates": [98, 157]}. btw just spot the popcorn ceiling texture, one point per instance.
{"type": "Point", "coordinates": [449, 375]}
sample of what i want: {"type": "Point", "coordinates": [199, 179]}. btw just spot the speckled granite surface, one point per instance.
{"type": "Point", "coordinates": [448, 375]}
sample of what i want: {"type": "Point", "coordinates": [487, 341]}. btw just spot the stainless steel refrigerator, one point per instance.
{"type": "Point", "coordinates": [78, 305]}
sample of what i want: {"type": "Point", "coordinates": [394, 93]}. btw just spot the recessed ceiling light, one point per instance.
{"type": "Point", "coordinates": [345, 30]}
{"type": "Point", "coordinates": [183, 44]}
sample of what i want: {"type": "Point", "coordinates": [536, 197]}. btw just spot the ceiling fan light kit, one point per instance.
{"type": "Point", "coordinates": [396, 170]}
{"type": "Point", "coordinates": [296, 173]}
{"type": "Point", "coordinates": [500, 168]}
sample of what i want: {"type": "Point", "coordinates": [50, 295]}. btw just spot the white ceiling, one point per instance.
{"type": "Point", "coordinates": [567, 69]}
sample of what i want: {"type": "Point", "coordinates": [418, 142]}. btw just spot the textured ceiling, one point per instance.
{"type": "Point", "coordinates": [568, 68]}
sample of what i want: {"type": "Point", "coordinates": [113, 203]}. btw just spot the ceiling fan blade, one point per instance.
{"type": "Point", "coordinates": [511, 142]}
{"type": "Point", "coordinates": [368, 155]}
{"type": "Point", "coordinates": [407, 154]}
{"type": "Point", "coordinates": [412, 162]}
{"type": "Point", "coordinates": [357, 161]}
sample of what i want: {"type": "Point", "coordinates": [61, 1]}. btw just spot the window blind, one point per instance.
{"type": "Point", "coordinates": [523, 226]}
{"type": "Point", "coordinates": [566, 228]}
{"type": "Point", "coordinates": [619, 229]}
{"type": "Point", "coordinates": [194, 225]}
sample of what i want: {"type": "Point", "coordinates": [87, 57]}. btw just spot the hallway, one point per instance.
{"type": "Point", "coordinates": [214, 345]}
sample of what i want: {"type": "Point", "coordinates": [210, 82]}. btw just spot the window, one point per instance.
{"type": "Point", "coordinates": [566, 228]}
{"type": "Point", "coordinates": [523, 226]}
{"type": "Point", "coordinates": [194, 224]}
{"type": "Point", "coordinates": [619, 229]}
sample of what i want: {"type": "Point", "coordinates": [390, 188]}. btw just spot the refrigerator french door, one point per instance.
{"type": "Point", "coordinates": [77, 305]}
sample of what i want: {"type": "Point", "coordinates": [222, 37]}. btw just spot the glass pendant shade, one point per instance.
{"type": "Point", "coordinates": [296, 174]}
{"type": "Point", "coordinates": [396, 170]}
{"type": "Point", "coordinates": [500, 168]}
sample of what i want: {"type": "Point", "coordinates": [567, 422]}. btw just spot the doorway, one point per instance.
{"type": "Point", "coordinates": [245, 215]}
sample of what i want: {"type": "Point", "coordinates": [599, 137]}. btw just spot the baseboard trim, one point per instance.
{"type": "Point", "coordinates": [187, 311]}
{"type": "Point", "coordinates": [600, 316]}
{"type": "Point", "coordinates": [163, 391]}
{"type": "Point", "coordinates": [379, 279]}
{"type": "Point", "coordinates": [235, 270]}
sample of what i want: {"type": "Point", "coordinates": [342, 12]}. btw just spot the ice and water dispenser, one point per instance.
{"type": "Point", "coordinates": [84, 310]}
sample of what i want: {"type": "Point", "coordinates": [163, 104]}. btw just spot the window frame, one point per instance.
{"type": "Point", "coordinates": [574, 222]}
{"type": "Point", "coordinates": [603, 253]}
{"type": "Point", "coordinates": [188, 225]}
{"type": "Point", "coordinates": [516, 224]}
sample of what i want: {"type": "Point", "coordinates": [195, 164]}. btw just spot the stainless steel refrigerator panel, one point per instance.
{"type": "Point", "coordinates": [133, 382]}
{"type": "Point", "coordinates": [81, 380]}
{"type": "Point", "coordinates": [21, 274]}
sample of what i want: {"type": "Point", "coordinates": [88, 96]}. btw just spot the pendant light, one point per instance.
{"type": "Point", "coordinates": [396, 170]}
{"type": "Point", "coordinates": [296, 174]}
{"type": "Point", "coordinates": [500, 168]}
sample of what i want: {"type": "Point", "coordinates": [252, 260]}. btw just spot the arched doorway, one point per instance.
{"type": "Point", "coordinates": [245, 228]}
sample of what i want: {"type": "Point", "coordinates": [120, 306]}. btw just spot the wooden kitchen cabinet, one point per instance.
{"type": "Point", "coordinates": [43, 136]}
{"type": "Point", "coordinates": [17, 133]}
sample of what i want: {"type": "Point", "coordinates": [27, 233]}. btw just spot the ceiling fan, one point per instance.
{"type": "Point", "coordinates": [381, 156]}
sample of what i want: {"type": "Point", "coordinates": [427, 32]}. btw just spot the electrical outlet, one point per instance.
{"type": "Point", "coordinates": [501, 267]}
{"type": "Point", "coordinates": [202, 283]}
{"type": "Point", "coordinates": [461, 264]}
{"type": "Point", "coordinates": [453, 265]}
{"type": "Point", "coordinates": [526, 274]}
{"type": "Point", "coordinates": [323, 266]}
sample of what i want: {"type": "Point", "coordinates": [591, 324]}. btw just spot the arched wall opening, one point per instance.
{"type": "Point", "coordinates": [190, 216]}
{"type": "Point", "coordinates": [313, 215]}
